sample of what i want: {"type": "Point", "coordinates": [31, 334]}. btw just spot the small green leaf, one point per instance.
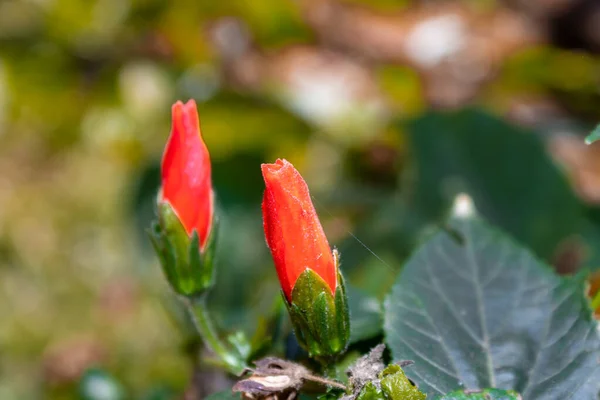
{"type": "Point", "coordinates": [487, 394]}
{"type": "Point", "coordinates": [269, 331]}
{"type": "Point", "coordinates": [594, 136]}
{"type": "Point", "coordinates": [241, 344]}
{"type": "Point", "coordinates": [484, 312]}
{"type": "Point", "coordinates": [396, 386]}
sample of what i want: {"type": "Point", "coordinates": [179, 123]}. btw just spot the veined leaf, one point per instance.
{"type": "Point", "coordinates": [366, 318]}
{"type": "Point", "coordinates": [483, 312]}
{"type": "Point", "coordinates": [487, 394]}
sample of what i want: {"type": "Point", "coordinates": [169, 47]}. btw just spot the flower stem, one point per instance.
{"type": "Point", "coordinates": [326, 382]}
{"type": "Point", "coordinates": [199, 312]}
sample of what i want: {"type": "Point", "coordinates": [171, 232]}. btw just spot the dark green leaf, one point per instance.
{"type": "Point", "coordinates": [505, 169]}
{"type": "Point", "coordinates": [487, 394]}
{"type": "Point", "coordinates": [484, 312]}
{"type": "Point", "coordinates": [366, 319]}
{"type": "Point", "coordinates": [589, 237]}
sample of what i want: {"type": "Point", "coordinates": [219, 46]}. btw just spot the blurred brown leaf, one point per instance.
{"type": "Point", "coordinates": [455, 47]}
{"type": "Point", "coordinates": [582, 164]}
{"type": "Point", "coordinates": [66, 360]}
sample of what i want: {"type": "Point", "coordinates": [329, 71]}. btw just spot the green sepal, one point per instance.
{"type": "Point", "coordinates": [188, 270]}
{"type": "Point", "coordinates": [343, 311]}
{"type": "Point", "coordinates": [396, 386]}
{"type": "Point", "coordinates": [320, 319]}
{"type": "Point", "coordinates": [208, 254]}
{"type": "Point", "coordinates": [164, 250]}
{"type": "Point", "coordinates": [195, 260]}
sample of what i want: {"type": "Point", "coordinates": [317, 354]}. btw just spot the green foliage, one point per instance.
{"type": "Point", "coordinates": [366, 317]}
{"type": "Point", "coordinates": [487, 394]}
{"type": "Point", "coordinates": [85, 91]}
{"type": "Point", "coordinates": [370, 392]}
{"type": "Point", "coordinates": [475, 310]}
{"type": "Point", "coordinates": [496, 163]}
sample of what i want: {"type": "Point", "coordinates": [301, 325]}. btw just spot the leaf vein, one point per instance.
{"type": "Point", "coordinates": [426, 359]}
{"type": "Point", "coordinates": [480, 307]}
{"type": "Point", "coordinates": [420, 331]}
{"type": "Point", "coordinates": [447, 301]}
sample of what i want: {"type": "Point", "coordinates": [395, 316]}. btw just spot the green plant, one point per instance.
{"type": "Point", "coordinates": [472, 315]}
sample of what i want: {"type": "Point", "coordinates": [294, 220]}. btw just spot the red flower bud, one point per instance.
{"type": "Point", "coordinates": [292, 228]}
{"type": "Point", "coordinates": [186, 179]}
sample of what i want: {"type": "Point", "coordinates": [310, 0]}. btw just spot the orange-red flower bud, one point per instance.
{"type": "Point", "coordinates": [186, 173]}
{"type": "Point", "coordinates": [292, 228]}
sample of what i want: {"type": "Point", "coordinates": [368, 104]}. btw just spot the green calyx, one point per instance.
{"type": "Point", "coordinates": [392, 385]}
{"type": "Point", "coordinates": [188, 270]}
{"type": "Point", "coordinates": [321, 320]}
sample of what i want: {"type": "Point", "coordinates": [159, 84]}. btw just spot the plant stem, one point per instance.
{"type": "Point", "coordinates": [199, 312]}
{"type": "Point", "coordinates": [596, 301]}
{"type": "Point", "coordinates": [327, 382]}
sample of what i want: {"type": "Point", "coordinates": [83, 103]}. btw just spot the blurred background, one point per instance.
{"type": "Point", "coordinates": [389, 108]}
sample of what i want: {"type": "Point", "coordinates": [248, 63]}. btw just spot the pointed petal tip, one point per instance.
{"type": "Point", "coordinates": [177, 106]}
{"type": "Point", "coordinates": [188, 108]}
{"type": "Point", "coordinates": [190, 104]}
{"type": "Point", "coordinates": [274, 168]}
